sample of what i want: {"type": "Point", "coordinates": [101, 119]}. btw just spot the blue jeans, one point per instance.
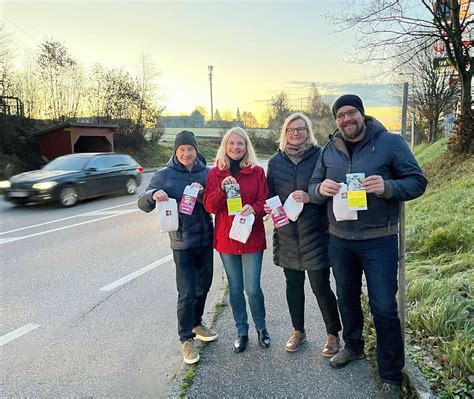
{"type": "Point", "coordinates": [378, 259]}
{"type": "Point", "coordinates": [243, 273]}
{"type": "Point", "coordinates": [194, 269]}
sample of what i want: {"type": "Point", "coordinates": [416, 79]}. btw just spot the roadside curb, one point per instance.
{"type": "Point", "coordinates": [209, 319]}
{"type": "Point", "coordinates": [416, 378]}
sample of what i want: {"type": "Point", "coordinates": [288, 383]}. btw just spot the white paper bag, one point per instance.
{"type": "Point", "coordinates": [167, 214]}
{"type": "Point", "coordinates": [292, 208]}
{"type": "Point", "coordinates": [340, 207]}
{"type": "Point", "coordinates": [241, 228]}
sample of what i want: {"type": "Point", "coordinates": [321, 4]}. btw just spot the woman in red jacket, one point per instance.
{"type": "Point", "coordinates": [236, 163]}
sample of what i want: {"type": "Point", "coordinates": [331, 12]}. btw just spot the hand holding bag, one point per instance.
{"type": "Point", "coordinates": [167, 215]}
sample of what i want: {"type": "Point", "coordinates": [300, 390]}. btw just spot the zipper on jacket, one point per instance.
{"type": "Point", "coordinates": [297, 233]}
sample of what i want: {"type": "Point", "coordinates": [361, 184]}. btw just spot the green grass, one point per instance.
{"type": "Point", "coordinates": [425, 153]}
{"type": "Point", "coordinates": [440, 273]}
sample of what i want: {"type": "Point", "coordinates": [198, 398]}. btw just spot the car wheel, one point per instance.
{"type": "Point", "coordinates": [68, 197]}
{"type": "Point", "coordinates": [131, 186]}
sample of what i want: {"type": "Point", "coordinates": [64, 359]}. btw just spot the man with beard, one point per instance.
{"type": "Point", "coordinates": [368, 242]}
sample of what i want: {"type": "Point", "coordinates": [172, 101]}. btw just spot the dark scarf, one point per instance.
{"type": "Point", "coordinates": [296, 153]}
{"type": "Point", "coordinates": [235, 166]}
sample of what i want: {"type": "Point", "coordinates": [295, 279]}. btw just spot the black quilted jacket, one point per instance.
{"type": "Point", "coordinates": [301, 245]}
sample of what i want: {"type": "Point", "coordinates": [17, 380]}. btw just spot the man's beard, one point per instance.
{"type": "Point", "coordinates": [353, 136]}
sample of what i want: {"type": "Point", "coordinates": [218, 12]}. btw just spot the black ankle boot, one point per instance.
{"type": "Point", "coordinates": [240, 343]}
{"type": "Point", "coordinates": [263, 339]}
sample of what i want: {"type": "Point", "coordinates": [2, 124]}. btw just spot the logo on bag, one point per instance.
{"type": "Point", "coordinates": [168, 212]}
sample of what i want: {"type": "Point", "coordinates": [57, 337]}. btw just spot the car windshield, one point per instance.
{"type": "Point", "coordinates": [67, 163]}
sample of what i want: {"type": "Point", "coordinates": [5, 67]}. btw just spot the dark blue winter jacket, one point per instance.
{"type": "Point", "coordinates": [378, 153]}
{"type": "Point", "coordinates": [194, 230]}
{"type": "Point", "coordinates": [300, 245]}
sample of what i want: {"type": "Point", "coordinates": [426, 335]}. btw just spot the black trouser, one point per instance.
{"type": "Point", "coordinates": [194, 268]}
{"type": "Point", "coordinates": [320, 284]}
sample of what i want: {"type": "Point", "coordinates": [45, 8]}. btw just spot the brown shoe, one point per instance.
{"type": "Point", "coordinates": [297, 339]}
{"type": "Point", "coordinates": [332, 346]}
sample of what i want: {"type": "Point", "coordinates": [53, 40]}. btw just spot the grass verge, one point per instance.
{"type": "Point", "coordinates": [440, 275]}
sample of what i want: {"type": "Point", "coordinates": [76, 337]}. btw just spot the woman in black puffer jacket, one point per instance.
{"type": "Point", "coordinates": [302, 245]}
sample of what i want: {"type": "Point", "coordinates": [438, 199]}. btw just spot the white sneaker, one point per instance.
{"type": "Point", "coordinates": [205, 334]}
{"type": "Point", "coordinates": [190, 354]}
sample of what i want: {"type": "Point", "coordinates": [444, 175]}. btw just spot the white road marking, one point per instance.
{"type": "Point", "coordinates": [11, 239]}
{"type": "Point", "coordinates": [67, 218]}
{"type": "Point", "coordinates": [5, 339]}
{"type": "Point", "coordinates": [138, 273]}
{"type": "Point", "coordinates": [102, 213]}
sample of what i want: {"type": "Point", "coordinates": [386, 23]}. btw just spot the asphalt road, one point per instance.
{"type": "Point", "coordinates": [88, 301]}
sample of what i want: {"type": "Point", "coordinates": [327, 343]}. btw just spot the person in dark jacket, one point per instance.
{"type": "Point", "coordinates": [302, 246]}
{"type": "Point", "coordinates": [236, 163]}
{"type": "Point", "coordinates": [368, 244]}
{"type": "Point", "coordinates": [191, 244]}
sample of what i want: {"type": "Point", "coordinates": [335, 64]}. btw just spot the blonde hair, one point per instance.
{"type": "Point", "coordinates": [223, 160]}
{"type": "Point", "coordinates": [294, 117]}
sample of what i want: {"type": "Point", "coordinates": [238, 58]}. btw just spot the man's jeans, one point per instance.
{"type": "Point", "coordinates": [378, 259]}
{"type": "Point", "coordinates": [243, 273]}
{"type": "Point", "coordinates": [194, 269]}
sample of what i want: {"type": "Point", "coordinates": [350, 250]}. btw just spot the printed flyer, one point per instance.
{"type": "Point", "coordinates": [234, 201]}
{"type": "Point", "coordinates": [188, 200]}
{"type": "Point", "coordinates": [278, 214]}
{"type": "Point", "coordinates": [356, 195]}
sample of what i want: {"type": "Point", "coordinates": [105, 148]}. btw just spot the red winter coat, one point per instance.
{"type": "Point", "coordinates": [253, 191]}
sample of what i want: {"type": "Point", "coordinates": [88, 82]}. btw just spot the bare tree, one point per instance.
{"type": "Point", "coordinates": [63, 79]}
{"type": "Point", "coordinates": [202, 110]}
{"type": "Point", "coordinates": [27, 87]}
{"type": "Point", "coordinates": [249, 120]}
{"type": "Point", "coordinates": [147, 90]}
{"type": "Point", "coordinates": [279, 109]}
{"type": "Point", "coordinates": [7, 55]}
{"type": "Point", "coordinates": [391, 29]}
{"type": "Point", "coordinates": [319, 111]}
{"type": "Point", "coordinates": [434, 93]}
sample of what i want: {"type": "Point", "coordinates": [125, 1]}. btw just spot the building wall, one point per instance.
{"type": "Point", "coordinates": [55, 143]}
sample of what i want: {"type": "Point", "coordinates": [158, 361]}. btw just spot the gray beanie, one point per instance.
{"type": "Point", "coordinates": [348, 99]}
{"type": "Point", "coordinates": [185, 137]}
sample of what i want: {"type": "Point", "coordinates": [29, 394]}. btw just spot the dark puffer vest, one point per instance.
{"type": "Point", "coordinates": [300, 245]}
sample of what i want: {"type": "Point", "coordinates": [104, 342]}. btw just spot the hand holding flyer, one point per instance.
{"type": "Point", "coordinates": [278, 214]}
{"type": "Point", "coordinates": [234, 201]}
{"type": "Point", "coordinates": [188, 200]}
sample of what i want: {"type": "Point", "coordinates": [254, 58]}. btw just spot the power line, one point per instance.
{"type": "Point", "coordinates": [21, 29]}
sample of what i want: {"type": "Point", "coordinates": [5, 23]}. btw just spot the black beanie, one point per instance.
{"type": "Point", "coordinates": [185, 137]}
{"type": "Point", "coordinates": [348, 99]}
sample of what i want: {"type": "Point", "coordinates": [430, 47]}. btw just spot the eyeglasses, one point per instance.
{"type": "Point", "coordinates": [351, 113]}
{"type": "Point", "coordinates": [292, 130]}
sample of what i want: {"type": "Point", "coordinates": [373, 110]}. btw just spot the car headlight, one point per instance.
{"type": "Point", "coordinates": [47, 185]}
{"type": "Point", "coordinates": [4, 184]}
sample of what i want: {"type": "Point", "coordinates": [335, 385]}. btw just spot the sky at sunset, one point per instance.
{"type": "Point", "coordinates": [257, 48]}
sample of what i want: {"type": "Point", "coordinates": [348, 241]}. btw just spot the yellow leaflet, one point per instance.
{"type": "Point", "coordinates": [357, 200]}
{"type": "Point", "coordinates": [234, 205]}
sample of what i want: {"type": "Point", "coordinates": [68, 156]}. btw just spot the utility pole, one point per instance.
{"type": "Point", "coordinates": [401, 233]}
{"type": "Point", "coordinates": [404, 109]}
{"type": "Point", "coordinates": [412, 103]}
{"type": "Point", "coordinates": [210, 68]}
